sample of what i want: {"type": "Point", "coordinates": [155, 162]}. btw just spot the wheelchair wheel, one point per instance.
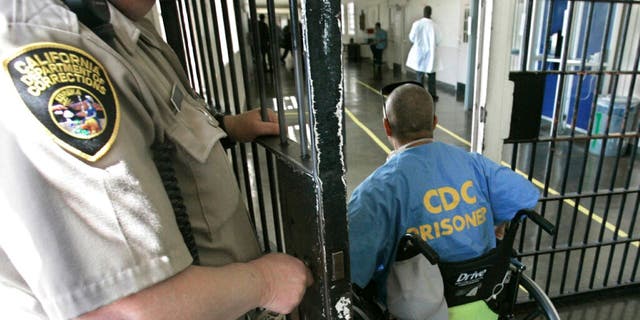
{"type": "Point", "coordinates": [364, 307]}
{"type": "Point", "coordinates": [541, 307]}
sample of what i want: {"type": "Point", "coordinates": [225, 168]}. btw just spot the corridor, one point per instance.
{"type": "Point", "coordinates": [367, 148]}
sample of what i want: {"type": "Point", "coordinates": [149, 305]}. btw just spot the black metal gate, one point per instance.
{"type": "Point", "coordinates": [294, 184]}
{"type": "Point", "coordinates": [574, 133]}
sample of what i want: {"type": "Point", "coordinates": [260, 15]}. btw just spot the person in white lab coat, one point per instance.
{"type": "Point", "coordinates": [422, 57]}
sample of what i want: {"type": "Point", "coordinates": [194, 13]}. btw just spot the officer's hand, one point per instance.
{"type": "Point", "coordinates": [284, 281]}
{"type": "Point", "coordinates": [247, 126]}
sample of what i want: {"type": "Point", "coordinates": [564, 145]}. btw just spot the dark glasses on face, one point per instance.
{"type": "Point", "coordinates": [386, 91]}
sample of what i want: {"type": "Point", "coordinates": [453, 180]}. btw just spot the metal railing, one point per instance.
{"type": "Point", "coordinates": [576, 67]}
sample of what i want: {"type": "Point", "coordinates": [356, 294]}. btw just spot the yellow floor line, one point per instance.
{"type": "Point", "coordinates": [372, 135]}
{"type": "Point", "coordinates": [597, 218]}
{"type": "Point", "coordinates": [455, 136]}
{"type": "Point", "coordinates": [369, 87]}
{"type": "Point", "coordinates": [449, 132]}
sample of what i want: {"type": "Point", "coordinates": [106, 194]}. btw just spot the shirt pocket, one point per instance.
{"type": "Point", "coordinates": [204, 173]}
{"type": "Point", "coordinates": [195, 129]}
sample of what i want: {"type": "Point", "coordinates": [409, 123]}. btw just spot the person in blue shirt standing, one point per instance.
{"type": "Point", "coordinates": [378, 45]}
{"type": "Point", "coordinates": [452, 198]}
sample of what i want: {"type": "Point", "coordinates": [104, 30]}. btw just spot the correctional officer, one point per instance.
{"type": "Point", "coordinates": [87, 228]}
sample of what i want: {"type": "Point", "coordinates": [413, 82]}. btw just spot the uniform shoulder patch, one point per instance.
{"type": "Point", "coordinates": [70, 93]}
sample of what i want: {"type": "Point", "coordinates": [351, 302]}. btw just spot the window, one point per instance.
{"type": "Point", "coordinates": [351, 18]}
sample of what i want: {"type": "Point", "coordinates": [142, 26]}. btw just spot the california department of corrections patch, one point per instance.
{"type": "Point", "coordinates": [70, 93]}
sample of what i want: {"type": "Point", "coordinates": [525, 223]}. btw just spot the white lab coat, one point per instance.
{"type": "Point", "coordinates": [425, 38]}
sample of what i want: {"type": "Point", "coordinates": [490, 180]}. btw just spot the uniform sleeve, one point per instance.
{"type": "Point", "coordinates": [84, 235]}
{"type": "Point", "coordinates": [369, 232]}
{"type": "Point", "coordinates": [508, 191]}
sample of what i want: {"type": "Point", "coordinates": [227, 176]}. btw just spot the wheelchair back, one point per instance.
{"type": "Point", "coordinates": [490, 278]}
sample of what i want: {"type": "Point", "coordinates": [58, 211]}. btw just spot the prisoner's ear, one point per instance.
{"type": "Point", "coordinates": [387, 127]}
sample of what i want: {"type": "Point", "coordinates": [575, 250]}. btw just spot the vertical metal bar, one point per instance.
{"type": "Point", "coordinates": [275, 69]}
{"type": "Point", "coordinates": [243, 52]}
{"type": "Point", "coordinates": [209, 88]}
{"type": "Point", "coordinates": [574, 121]}
{"type": "Point", "coordinates": [171, 21]}
{"type": "Point", "coordinates": [298, 69]}
{"type": "Point", "coordinates": [199, 64]}
{"type": "Point", "coordinates": [632, 225]}
{"type": "Point", "coordinates": [554, 132]}
{"type": "Point", "coordinates": [624, 25]}
{"type": "Point", "coordinates": [212, 96]}
{"type": "Point", "coordinates": [547, 35]}
{"type": "Point", "coordinates": [615, 79]}
{"type": "Point", "coordinates": [255, 32]}
{"type": "Point", "coordinates": [636, 263]}
{"type": "Point", "coordinates": [527, 36]}
{"type": "Point", "coordinates": [213, 44]}
{"type": "Point", "coordinates": [274, 203]}
{"type": "Point", "coordinates": [223, 82]}
{"type": "Point", "coordinates": [191, 44]}
{"type": "Point", "coordinates": [514, 161]}
{"type": "Point", "coordinates": [630, 169]}
{"type": "Point", "coordinates": [586, 150]}
{"type": "Point", "coordinates": [514, 156]}
{"type": "Point", "coordinates": [584, 163]}
{"type": "Point", "coordinates": [325, 92]}
{"type": "Point", "coordinates": [534, 146]}
{"type": "Point", "coordinates": [261, 206]}
{"type": "Point", "coordinates": [530, 176]}
{"type": "Point", "coordinates": [259, 59]}
{"type": "Point", "coordinates": [236, 98]}
{"type": "Point", "coordinates": [248, 94]}
{"type": "Point", "coordinates": [631, 228]}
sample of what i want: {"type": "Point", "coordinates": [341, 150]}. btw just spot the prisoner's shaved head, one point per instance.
{"type": "Point", "coordinates": [410, 113]}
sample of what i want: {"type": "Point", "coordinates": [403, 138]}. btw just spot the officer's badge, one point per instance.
{"type": "Point", "coordinates": [70, 93]}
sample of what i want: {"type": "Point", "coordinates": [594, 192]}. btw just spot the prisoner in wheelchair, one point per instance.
{"type": "Point", "coordinates": [448, 197]}
{"type": "Point", "coordinates": [420, 286]}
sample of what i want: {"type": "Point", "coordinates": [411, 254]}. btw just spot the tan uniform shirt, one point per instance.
{"type": "Point", "coordinates": [85, 219]}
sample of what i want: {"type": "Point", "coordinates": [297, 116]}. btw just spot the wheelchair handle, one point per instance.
{"type": "Point", "coordinates": [421, 245]}
{"type": "Point", "coordinates": [537, 218]}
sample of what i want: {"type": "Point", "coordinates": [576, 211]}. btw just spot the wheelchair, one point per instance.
{"type": "Point", "coordinates": [498, 276]}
